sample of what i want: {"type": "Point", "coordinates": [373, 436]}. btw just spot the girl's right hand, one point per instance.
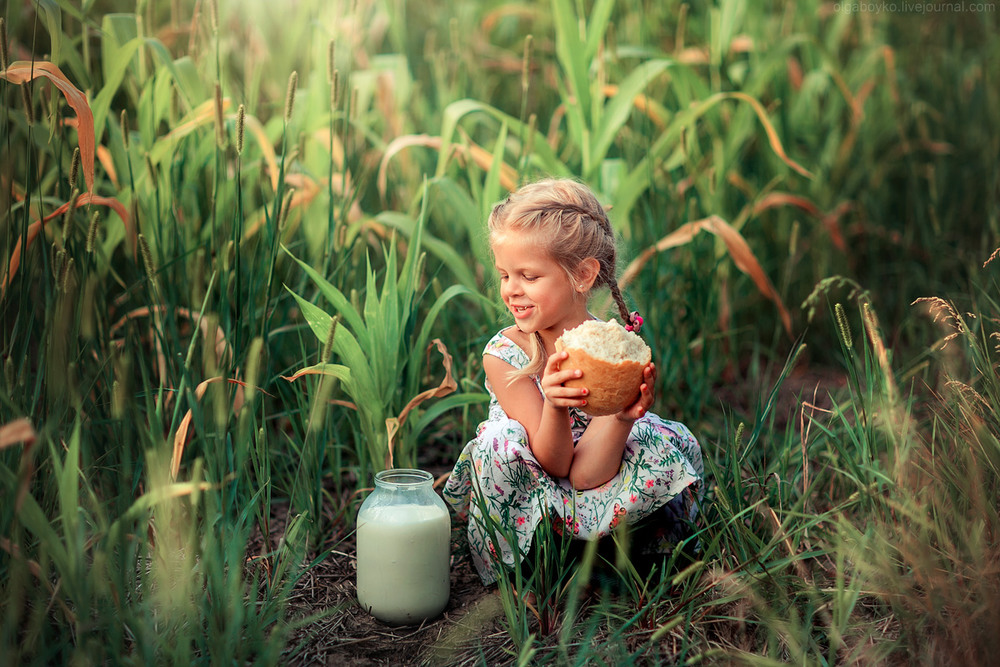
{"type": "Point", "coordinates": [553, 388]}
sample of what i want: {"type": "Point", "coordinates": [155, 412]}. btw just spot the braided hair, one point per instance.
{"type": "Point", "coordinates": [566, 218]}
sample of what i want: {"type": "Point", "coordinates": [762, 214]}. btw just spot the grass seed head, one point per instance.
{"type": "Point", "coordinates": [220, 125]}
{"type": "Point", "coordinates": [293, 82]}
{"type": "Point", "coordinates": [229, 256]}
{"type": "Point", "coordinates": [67, 225]}
{"type": "Point", "coordinates": [67, 273]}
{"type": "Point", "coordinates": [241, 119]}
{"type": "Point", "coordinates": [29, 110]}
{"type": "Point", "coordinates": [4, 59]}
{"type": "Point", "coordinates": [331, 60]}
{"type": "Point", "coordinates": [328, 345]}
{"type": "Point", "coordinates": [125, 130]}
{"type": "Point", "coordinates": [991, 257]}
{"type": "Point", "coordinates": [74, 168]}
{"type": "Point", "coordinates": [147, 257]}
{"type": "Point", "coordinates": [526, 63]}
{"type": "Point", "coordinates": [252, 368]}
{"type": "Point", "coordinates": [10, 373]}
{"type": "Point", "coordinates": [843, 325]}
{"type": "Point", "coordinates": [58, 263]}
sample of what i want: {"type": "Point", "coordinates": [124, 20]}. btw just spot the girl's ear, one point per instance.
{"type": "Point", "coordinates": [587, 273]}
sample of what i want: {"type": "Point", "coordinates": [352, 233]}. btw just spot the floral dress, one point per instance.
{"type": "Point", "coordinates": [496, 473]}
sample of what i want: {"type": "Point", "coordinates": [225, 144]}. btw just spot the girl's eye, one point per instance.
{"type": "Point", "coordinates": [531, 279]}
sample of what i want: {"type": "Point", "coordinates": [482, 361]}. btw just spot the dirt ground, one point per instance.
{"type": "Point", "coordinates": [347, 635]}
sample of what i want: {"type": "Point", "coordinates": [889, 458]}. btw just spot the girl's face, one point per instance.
{"type": "Point", "coordinates": [536, 289]}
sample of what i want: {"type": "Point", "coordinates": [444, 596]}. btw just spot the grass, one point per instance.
{"type": "Point", "coordinates": [200, 201]}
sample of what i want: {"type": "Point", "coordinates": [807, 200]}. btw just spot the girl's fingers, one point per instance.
{"type": "Point", "coordinates": [565, 397]}
{"type": "Point", "coordinates": [552, 365]}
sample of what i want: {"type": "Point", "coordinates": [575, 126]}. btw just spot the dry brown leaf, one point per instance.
{"type": "Point", "coordinates": [478, 154]}
{"type": "Point", "coordinates": [25, 70]}
{"type": "Point", "coordinates": [772, 134]}
{"type": "Point", "coordinates": [180, 437]}
{"type": "Point", "coordinates": [737, 247]}
{"type": "Point", "coordinates": [830, 220]}
{"type": "Point", "coordinates": [447, 386]}
{"type": "Point", "coordinates": [17, 432]}
{"type": "Point", "coordinates": [642, 103]}
{"type": "Point", "coordinates": [391, 427]}
{"type": "Point", "coordinates": [104, 157]}
{"type": "Point", "coordinates": [36, 227]}
{"type": "Point", "coordinates": [222, 349]}
{"type": "Point", "coordinates": [795, 76]}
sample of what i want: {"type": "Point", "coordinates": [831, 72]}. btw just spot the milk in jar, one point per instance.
{"type": "Point", "coordinates": [403, 537]}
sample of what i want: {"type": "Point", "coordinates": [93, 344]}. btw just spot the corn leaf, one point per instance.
{"type": "Point", "coordinates": [362, 383]}
{"type": "Point", "coordinates": [114, 74]}
{"type": "Point", "coordinates": [572, 55]}
{"type": "Point", "coordinates": [448, 255]}
{"type": "Point", "coordinates": [333, 295]}
{"type": "Point", "coordinates": [339, 371]}
{"type": "Point", "coordinates": [491, 188]}
{"type": "Point", "coordinates": [620, 106]}
{"type": "Point", "coordinates": [454, 112]}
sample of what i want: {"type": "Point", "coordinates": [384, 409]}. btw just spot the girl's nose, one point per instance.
{"type": "Point", "coordinates": [510, 287]}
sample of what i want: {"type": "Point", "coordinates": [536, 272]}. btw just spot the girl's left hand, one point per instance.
{"type": "Point", "coordinates": [646, 396]}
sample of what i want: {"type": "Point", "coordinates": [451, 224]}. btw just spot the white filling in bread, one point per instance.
{"type": "Point", "coordinates": [607, 341]}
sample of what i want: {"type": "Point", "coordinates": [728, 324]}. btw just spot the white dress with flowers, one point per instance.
{"type": "Point", "coordinates": [497, 473]}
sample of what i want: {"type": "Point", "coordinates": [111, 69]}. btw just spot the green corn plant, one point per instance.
{"type": "Point", "coordinates": [382, 347]}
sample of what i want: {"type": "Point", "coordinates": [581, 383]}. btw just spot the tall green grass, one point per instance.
{"type": "Point", "coordinates": [259, 177]}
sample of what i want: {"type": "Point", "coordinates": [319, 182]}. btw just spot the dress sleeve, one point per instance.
{"type": "Point", "coordinates": [506, 350]}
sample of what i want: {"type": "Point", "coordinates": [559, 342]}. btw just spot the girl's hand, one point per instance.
{"type": "Point", "coordinates": [646, 396]}
{"type": "Point", "coordinates": [552, 383]}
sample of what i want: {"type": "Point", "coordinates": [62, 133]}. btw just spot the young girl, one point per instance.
{"type": "Point", "coordinates": [538, 452]}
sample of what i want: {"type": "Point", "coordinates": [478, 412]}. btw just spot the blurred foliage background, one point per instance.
{"type": "Point", "coordinates": [244, 267]}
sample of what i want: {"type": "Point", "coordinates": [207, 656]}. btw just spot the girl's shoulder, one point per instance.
{"type": "Point", "coordinates": [506, 345]}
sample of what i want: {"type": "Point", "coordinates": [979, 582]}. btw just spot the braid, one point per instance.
{"type": "Point", "coordinates": [607, 275]}
{"type": "Point", "coordinates": [616, 294]}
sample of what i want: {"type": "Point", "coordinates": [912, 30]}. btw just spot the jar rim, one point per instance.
{"type": "Point", "coordinates": [403, 477]}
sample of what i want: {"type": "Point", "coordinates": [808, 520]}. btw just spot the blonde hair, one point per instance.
{"type": "Point", "coordinates": [570, 224]}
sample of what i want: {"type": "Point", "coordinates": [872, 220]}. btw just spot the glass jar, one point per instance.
{"type": "Point", "coordinates": [404, 539]}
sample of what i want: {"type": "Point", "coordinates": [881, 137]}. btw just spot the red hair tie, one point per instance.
{"type": "Point", "coordinates": [634, 322]}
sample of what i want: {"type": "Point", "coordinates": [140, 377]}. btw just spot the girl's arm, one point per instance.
{"type": "Point", "coordinates": [546, 420]}
{"type": "Point", "coordinates": [598, 455]}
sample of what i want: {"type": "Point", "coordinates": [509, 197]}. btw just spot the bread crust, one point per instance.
{"type": "Point", "coordinates": [613, 386]}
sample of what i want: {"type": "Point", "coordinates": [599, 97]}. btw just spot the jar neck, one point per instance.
{"type": "Point", "coordinates": [403, 479]}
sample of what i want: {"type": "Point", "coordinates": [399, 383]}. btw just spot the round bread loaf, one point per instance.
{"type": "Point", "coordinates": [611, 359]}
